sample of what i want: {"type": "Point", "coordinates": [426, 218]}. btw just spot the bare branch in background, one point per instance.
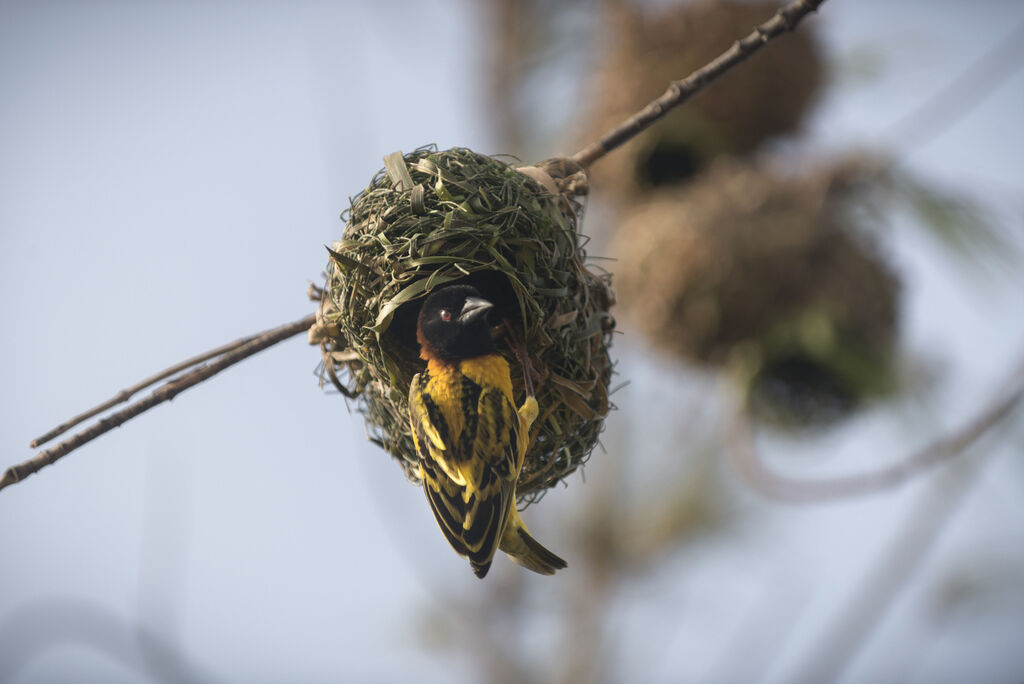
{"type": "Point", "coordinates": [786, 19]}
{"type": "Point", "coordinates": [962, 94]}
{"type": "Point", "coordinates": [165, 392]}
{"type": "Point", "coordinates": [758, 477]}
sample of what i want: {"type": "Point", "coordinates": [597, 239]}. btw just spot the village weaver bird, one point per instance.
{"type": "Point", "coordinates": [470, 438]}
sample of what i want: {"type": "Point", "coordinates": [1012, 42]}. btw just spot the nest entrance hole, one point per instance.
{"type": "Point", "coordinates": [799, 389]}
{"type": "Point", "coordinates": [668, 163]}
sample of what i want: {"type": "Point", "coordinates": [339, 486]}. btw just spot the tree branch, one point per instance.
{"type": "Point", "coordinates": [126, 394]}
{"type": "Point", "coordinates": [786, 19]}
{"type": "Point", "coordinates": [759, 477]}
{"type": "Point", "coordinates": [165, 392]}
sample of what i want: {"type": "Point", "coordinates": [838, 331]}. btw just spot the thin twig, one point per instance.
{"type": "Point", "coordinates": [679, 92]}
{"type": "Point", "coordinates": [165, 392]}
{"type": "Point", "coordinates": [769, 483]}
{"type": "Point", "coordinates": [126, 394]}
{"type": "Point", "coordinates": [955, 99]}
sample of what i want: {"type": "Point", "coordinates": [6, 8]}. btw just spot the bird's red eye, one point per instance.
{"type": "Point", "coordinates": [446, 315]}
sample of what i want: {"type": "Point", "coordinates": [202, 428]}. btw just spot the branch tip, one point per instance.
{"type": "Point", "coordinates": [221, 358]}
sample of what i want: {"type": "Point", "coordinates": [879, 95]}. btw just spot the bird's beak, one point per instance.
{"type": "Point", "coordinates": [474, 308]}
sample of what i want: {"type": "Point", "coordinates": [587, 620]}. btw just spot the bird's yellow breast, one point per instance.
{"type": "Point", "coordinates": [445, 384]}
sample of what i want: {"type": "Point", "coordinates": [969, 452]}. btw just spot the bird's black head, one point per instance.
{"type": "Point", "coordinates": [453, 324]}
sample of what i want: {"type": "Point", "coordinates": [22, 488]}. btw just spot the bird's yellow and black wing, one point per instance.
{"type": "Point", "coordinates": [469, 468]}
{"type": "Point", "coordinates": [433, 437]}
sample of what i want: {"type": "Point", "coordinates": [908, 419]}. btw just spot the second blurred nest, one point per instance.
{"type": "Point", "coordinates": [648, 49]}
{"type": "Point", "coordinates": [770, 271]}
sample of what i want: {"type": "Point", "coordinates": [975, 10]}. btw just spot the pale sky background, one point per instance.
{"type": "Point", "coordinates": [168, 176]}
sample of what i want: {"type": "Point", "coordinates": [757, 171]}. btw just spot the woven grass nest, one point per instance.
{"type": "Point", "coordinates": [433, 218]}
{"type": "Point", "coordinates": [770, 271]}
{"type": "Point", "coordinates": [650, 47]}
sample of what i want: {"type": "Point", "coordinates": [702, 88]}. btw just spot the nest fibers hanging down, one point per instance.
{"type": "Point", "coordinates": [434, 218]}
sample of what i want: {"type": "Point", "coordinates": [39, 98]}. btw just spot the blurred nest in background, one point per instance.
{"type": "Point", "coordinates": [649, 48]}
{"type": "Point", "coordinates": [769, 274]}
{"type": "Point", "coordinates": [432, 218]}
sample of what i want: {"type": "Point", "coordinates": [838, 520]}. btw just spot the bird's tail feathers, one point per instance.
{"type": "Point", "coordinates": [527, 551]}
